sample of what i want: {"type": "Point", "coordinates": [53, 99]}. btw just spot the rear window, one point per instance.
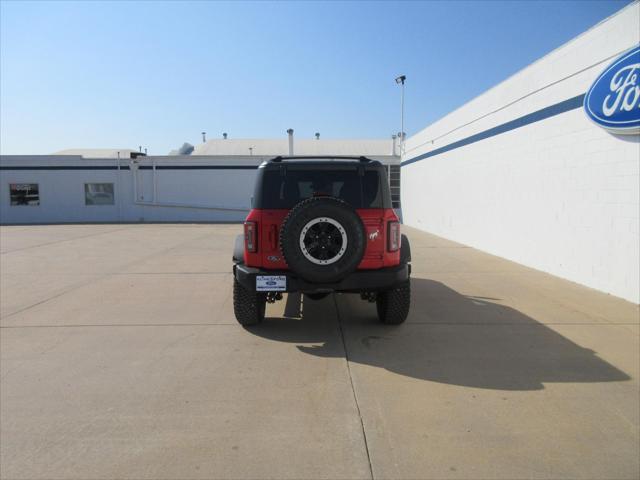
{"type": "Point", "coordinates": [361, 188]}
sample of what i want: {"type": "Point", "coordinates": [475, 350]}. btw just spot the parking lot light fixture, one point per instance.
{"type": "Point", "coordinates": [400, 81]}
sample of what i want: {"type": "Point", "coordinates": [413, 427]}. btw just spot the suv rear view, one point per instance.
{"type": "Point", "coordinates": [317, 226]}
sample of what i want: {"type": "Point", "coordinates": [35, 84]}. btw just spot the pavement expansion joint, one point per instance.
{"type": "Point", "coordinates": [353, 390]}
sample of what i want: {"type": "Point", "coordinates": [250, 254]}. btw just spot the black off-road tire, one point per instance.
{"type": "Point", "coordinates": [308, 210]}
{"type": "Point", "coordinates": [393, 305]}
{"type": "Point", "coordinates": [248, 306]}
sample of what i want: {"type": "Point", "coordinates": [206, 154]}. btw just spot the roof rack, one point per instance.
{"type": "Point", "coordinates": [280, 158]}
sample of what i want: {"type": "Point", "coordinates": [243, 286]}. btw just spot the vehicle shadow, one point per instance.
{"type": "Point", "coordinates": [448, 338]}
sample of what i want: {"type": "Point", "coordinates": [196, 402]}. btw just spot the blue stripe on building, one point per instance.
{"type": "Point", "coordinates": [126, 167]}
{"type": "Point", "coordinates": [547, 112]}
{"type": "Point", "coordinates": [201, 167]}
{"type": "Point", "coordinates": [60, 167]}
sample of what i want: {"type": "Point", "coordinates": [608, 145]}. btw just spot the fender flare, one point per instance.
{"type": "Point", "coordinates": [238, 249]}
{"type": "Point", "coordinates": [405, 250]}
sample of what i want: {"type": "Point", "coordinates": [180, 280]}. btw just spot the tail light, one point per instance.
{"type": "Point", "coordinates": [393, 243]}
{"type": "Point", "coordinates": [250, 236]}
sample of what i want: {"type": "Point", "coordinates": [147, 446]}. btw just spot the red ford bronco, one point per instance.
{"type": "Point", "coordinates": [320, 225]}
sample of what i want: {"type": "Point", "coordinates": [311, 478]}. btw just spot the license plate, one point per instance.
{"type": "Point", "coordinates": [271, 283]}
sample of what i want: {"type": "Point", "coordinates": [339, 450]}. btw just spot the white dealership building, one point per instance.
{"type": "Point", "coordinates": [523, 171]}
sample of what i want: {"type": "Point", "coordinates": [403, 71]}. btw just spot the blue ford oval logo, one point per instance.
{"type": "Point", "coordinates": [271, 282]}
{"type": "Point", "coordinates": [613, 101]}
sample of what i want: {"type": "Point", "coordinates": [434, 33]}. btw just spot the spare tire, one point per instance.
{"type": "Point", "coordinates": [322, 239]}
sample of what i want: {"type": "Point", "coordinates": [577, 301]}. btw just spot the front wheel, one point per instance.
{"type": "Point", "coordinates": [393, 305]}
{"type": "Point", "coordinates": [249, 306]}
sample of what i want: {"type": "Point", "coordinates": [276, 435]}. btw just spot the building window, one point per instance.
{"type": "Point", "coordinates": [98, 194]}
{"type": "Point", "coordinates": [24, 194]}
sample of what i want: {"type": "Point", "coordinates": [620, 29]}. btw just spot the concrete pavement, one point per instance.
{"type": "Point", "coordinates": [120, 358]}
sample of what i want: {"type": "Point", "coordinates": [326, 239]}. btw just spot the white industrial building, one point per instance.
{"type": "Point", "coordinates": [214, 184]}
{"type": "Point", "coordinates": [520, 171]}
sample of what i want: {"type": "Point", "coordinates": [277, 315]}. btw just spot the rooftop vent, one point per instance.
{"type": "Point", "coordinates": [185, 149]}
{"type": "Point", "coordinates": [290, 133]}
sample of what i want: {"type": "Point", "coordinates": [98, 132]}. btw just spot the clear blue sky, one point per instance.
{"type": "Point", "coordinates": [123, 74]}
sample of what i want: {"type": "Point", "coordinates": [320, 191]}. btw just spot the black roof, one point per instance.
{"type": "Point", "coordinates": [321, 160]}
{"type": "Point", "coordinates": [280, 158]}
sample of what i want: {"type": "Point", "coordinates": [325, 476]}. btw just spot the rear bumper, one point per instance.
{"type": "Point", "coordinates": [358, 281]}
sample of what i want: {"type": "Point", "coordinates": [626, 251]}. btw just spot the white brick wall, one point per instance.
{"type": "Point", "coordinates": [560, 195]}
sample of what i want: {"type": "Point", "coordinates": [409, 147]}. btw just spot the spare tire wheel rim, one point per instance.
{"type": "Point", "coordinates": [323, 241]}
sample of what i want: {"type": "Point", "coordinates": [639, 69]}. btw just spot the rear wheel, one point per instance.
{"type": "Point", "coordinates": [393, 305]}
{"type": "Point", "coordinates": [249, 306]}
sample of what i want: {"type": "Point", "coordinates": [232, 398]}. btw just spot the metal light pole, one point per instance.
{"type": "Point", "coordinates": [400, 81]}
